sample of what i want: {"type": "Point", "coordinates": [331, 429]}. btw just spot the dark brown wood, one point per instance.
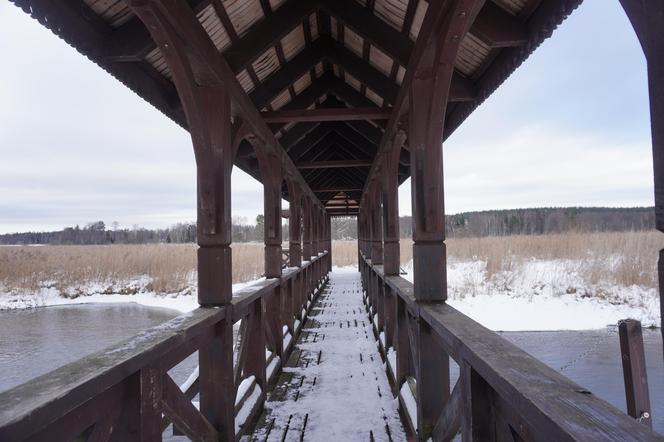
{"type": "Point", "coordinates": [428, 91]}
{"type": "Point", "coordinates": [377, 225]}
{"type": "Point", "coordinates": [449, 421]}
{"type": "Point", "coordinates": [32, 406]}
{"type": "Point", "coordinates": [498, 28]}
{"type": "Point", "coordinates": [255, 360]}
{"type": "Point", "coordinates": [634, 371]}
{"type": "Point", "coordinates": [295, 224]}
{"type": "Point", "coordinates": [307, 231]}
{"type": "Point", "coordinates": [433, 380]}
{"type": "Point", "coordinates": [335, 189]}
{"type": "Point", "coordinates": [179, 409]}
{"type": "Point", "coordinates": [390, 199]}
{"type": "Point", "coordinates": [216, 380]}
{"type": "Point", "coordinates": [150, 400]}
{"type": "Point", "coordinates": [334, 164]}
{"type": "Point", "coordinates": [550, 403]}
{"type": "Point", "coordinates": [338, 114]}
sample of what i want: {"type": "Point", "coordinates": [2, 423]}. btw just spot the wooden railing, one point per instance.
{"type": "Point", "coordinates": [502, 392]}
{"type": "Point", "coordinates": [125, 393]}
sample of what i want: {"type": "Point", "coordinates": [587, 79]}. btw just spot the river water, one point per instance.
{"type": "Point", "coordinates": [36, 341]}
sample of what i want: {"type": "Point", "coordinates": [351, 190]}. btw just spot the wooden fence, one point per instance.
{"type": "Point", "coordinates": [502, 393]}
{"type": "Point", "coordinates": [125, 393]}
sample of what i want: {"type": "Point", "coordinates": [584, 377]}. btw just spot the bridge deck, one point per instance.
{"type": "Point", "coordinates": [334, 385]}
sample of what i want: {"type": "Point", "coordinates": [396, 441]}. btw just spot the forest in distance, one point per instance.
{"type": "Point", "coordinates": [535, 221]}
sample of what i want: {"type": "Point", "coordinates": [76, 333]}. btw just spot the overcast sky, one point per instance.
{"type": "Point", "coordinates": [570, 127]}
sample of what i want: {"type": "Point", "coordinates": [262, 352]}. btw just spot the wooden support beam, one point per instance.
{"type": "Point", "coordinates": [336, 189]}
{"type": "Point", "coordinates": [498, 28]}
{"type": "Point", "coordinates": [294, 223]}
{"type": "Point", "coordinates": [634, 371]}
{"type": "Point", "coordinates": [390, 199]}
{"type": "Point", "coordinates": [335, 114]}
{"type": "Point", "coordinates": [334, 164]}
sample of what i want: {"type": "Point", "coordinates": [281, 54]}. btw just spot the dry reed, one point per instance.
{"type": "Point", "coordinates": [624, 258]}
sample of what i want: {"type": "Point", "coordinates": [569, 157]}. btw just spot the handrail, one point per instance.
{"type": "Point", "coordinates": [40, 401]}
{"type": "Point", "coordinates": [535, 399]}
{"type": "Point", "coordinates": [97, 391]}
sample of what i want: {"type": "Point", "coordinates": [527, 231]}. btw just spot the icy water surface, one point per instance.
{"type": "Point", "coordinates": [36, 341]}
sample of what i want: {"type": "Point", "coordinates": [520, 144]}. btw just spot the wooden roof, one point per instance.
{"type": "Point", "coordinates": [312, 54]}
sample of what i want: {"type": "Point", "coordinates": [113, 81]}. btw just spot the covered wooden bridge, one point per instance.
{"type": "Point", "coordinates": [331, 104]}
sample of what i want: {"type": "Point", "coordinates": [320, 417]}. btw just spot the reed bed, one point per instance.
{"type": "Point", "coordinates": [624, 258]}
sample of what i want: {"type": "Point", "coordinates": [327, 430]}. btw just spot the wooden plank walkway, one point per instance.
{"type": "Point", "coordinates": [334, 385]}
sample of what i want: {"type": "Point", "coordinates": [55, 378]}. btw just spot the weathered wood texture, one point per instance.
{"type": "Point", "coordinates": [123, 390]}
{"type": "Point", "coordinates": [505, 390]}
{"type": "Point", "coordinates": [634, 371]}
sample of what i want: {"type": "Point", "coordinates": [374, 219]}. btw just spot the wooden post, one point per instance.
{"type": "Point", "coordinates": [295, 224]}
{"type": "Point", "coordinates": [477, 417]}
{"type": "Point", "coordinates": [329, 242]}
{"type": "Point", "coordinates": [634, 371]}
{"type": "Point", "coordinates": [390, 197]}
{"type": "Point", "coordinates": [271, 174]}
{"type": "Point", "coordinates": [206, 104]}
{"type": "Point", "coordinates": [444, 26]}
{"type": "Point", "coordinates": [369, 213]}
{"type": "Point", "coordinates": [377, 225]}
{"type": "Point", "coordinates": [647, 18]}
{"type": "Point", "coordinates": [306, 219]}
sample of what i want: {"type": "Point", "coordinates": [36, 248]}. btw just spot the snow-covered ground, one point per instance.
{"type": "Point", "coordinates": [534, 295]}
{"type": "Point", "coordinates": [541, 295]}
{"type": "Point", "coordinates": [184, 301]}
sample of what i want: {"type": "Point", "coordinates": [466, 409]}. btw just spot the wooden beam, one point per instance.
{"type": "Point", "coordinates": [634, 371]}
{"type": "Point", "coordinates": [370, 27]}
{"type": "Point", "coordinates": [334, 114]}
{"type": "Point", "coordinates": [336, 189]}
{"type": "Point", "coordinates": [284, 77]}
{"type": "Point", "coordinates": [334, 164]}
{"type": "Point", "coordinates": [358, 68]}
{"type": "Point", "coordinates": [214, 67]}
{"type": "Point", "coordinates": [498, 28]}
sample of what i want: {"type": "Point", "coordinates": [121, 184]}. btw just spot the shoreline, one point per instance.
{"type": "Point", "coordinates": [521, 308]}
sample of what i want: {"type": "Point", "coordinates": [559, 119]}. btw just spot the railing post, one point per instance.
{"type": "Point", "coordinates": [255, 348]}
{"type": "Point", "coordinates": [634, 371]}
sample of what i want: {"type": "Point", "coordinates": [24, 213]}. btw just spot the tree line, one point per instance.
{"type": "Point", "coordinates": [468, 224]}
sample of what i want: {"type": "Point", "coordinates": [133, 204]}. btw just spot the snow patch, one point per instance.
{"type": "Point", "coordinates": [544, 295]}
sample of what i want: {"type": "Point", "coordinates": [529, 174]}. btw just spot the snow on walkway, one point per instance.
{"type": "Point", "coordinates": [334, 386]}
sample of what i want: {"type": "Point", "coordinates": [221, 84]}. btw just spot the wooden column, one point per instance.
{"type": "Point", "coordinates": [368, 224]}
{"type": "Point", "coordinates": [208, 110]}
{"type": "Point", "coordinates": [390, 197]}
{"type": "Point", "coordinates": [295, 224]}
{"type": "Point", "coordinates": [647, 18]}
{"type": "Point", "coordinates": [444, 26]}
{"type": "Point", "coordinates": [306, 220]}
{"type": "Point", "coordinates": [271, 175]}
{"type": "Point", "coordinates": [377, 225]}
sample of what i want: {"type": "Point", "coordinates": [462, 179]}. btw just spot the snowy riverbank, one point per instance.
{"type": "Point", "coordinates": [540, 295]}
{"type": "Point", "coordinates": [534, 295]}
{"type": "Point", "coordinates": [184, 301]}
